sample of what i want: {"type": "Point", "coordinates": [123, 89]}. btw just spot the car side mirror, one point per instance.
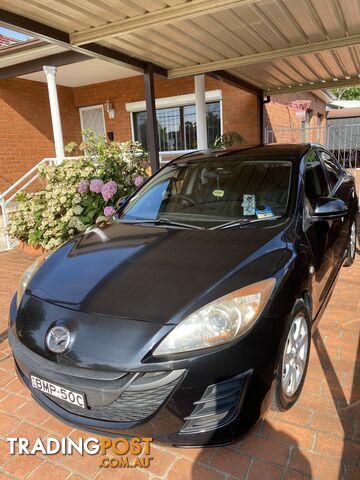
{"type": "Point", "coordinates": [327, 208]}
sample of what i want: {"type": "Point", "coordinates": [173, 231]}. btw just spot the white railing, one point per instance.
{"type": "Point", "coordinates": [24, 182]}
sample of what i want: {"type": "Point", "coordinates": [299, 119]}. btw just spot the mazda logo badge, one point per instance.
{"type": "Point", "coordinates": [58, 339]}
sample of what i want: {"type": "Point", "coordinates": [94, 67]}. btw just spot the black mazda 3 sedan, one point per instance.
{"type": "Point", "coordinates": [191, 312]}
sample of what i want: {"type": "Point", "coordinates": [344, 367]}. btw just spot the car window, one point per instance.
{"type": "Point", "coordinates": [211, 191]}
{"type": "Point", "coordinates": [315, 181]}
{"type": "Point", "coordinates": [333, 169]}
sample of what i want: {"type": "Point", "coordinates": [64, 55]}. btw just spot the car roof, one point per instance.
{"type": "Point", "coordinates": [283, 151]}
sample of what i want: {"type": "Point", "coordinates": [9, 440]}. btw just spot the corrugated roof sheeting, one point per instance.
{"type": "Point", "coordinates": [273, 44]}
{"type": "Point", "coordinates": [333, 65]}
{"type": "Point", "coordinates": [74, 15]}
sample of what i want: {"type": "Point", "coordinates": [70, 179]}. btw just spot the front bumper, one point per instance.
{"type": "Point", "coordinates": [206, 400]}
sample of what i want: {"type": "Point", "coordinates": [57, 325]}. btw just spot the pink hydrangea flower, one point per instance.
{"type": "Point", "coordinates": [83, 186]}
{"type": "Point", "coordinates": [138, 181]}
{"type": "Point", "coordinates": [109, 211]}
{"type": "Point", "coordinates": [96, 185]}
{"type": "Point", "coordinates": [108, 190]}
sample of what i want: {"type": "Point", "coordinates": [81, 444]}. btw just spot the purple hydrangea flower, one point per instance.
{"type": "Point", "coordinates": [83, 186]}
{"type": "Point", "coordinates": [138, 181]}
{"type": "Point", "coordinates": [96, 185]}
{"type": "Point", "coordinates": [108, 190]}
{"type": "Point", "coordinates": [109, 211]}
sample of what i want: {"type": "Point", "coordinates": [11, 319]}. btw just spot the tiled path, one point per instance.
{"type": "Point", "coordinates": [319, 438]}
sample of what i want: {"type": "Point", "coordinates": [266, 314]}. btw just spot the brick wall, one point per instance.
{"type": "Point", "coordinates": [25, 121]}
{"type": "Point", "coordinates": [25, 126]}
{"type": "Point", "coordinates": [239, 108]}
{"type": "Point", "coordinates": [279, 116]}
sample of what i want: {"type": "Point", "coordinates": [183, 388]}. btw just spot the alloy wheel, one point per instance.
{"type": "Point", "coordinates": [295, 355]}
{"type": "Point", "coordinates": [352, 240]}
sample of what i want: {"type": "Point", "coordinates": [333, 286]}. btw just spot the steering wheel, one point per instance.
{"type": "Point", "coordinates": [191, 201]}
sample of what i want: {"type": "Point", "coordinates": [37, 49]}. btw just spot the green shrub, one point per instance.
{"type": "Point", "coordinates": [229, 139]}
{"type": "Point", "coordinates": [78, 192]}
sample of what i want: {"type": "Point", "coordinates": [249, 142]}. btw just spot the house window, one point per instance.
{"type": "Point", "coordinates": [177, 126]}
{"type": "Point", "coordinates": [93, 118]}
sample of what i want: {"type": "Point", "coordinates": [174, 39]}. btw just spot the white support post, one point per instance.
{"type": "Point", "coordinates": [200, 103]}
{"type": "Point", "coordinates": [5, 223]}
{"type": "Point", "coordinates": [50, 73]}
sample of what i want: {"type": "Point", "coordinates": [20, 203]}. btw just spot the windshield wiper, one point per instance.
{"type": "Point", "coordinates": [242, 221]}
{"type": "Point", "coordinates": [163, 221]}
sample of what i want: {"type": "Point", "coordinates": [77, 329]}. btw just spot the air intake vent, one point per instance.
{"type": "Point", "coordinates": [219, 404]}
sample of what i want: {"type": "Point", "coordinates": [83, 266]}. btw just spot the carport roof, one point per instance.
{"type": "Point", "coordinates": [274, 45]}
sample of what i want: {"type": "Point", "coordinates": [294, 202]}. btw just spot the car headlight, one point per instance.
{"type": "Point", "coordinates": [220, 321]}
{"type": "Point", "coordinates": [27, 276]}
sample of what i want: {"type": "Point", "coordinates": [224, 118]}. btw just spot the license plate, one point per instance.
{"type": "Point", "coordinates": [64, 394]}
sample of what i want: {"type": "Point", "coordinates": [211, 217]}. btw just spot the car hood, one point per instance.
{"type": "Point", "coordinates": [151, 273]}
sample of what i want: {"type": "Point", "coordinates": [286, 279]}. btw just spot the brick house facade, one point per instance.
{"type": "Point", "coordinates": [25, 126]}
{"type": "Point", "coordinates": [287, 126]}
{"type": "Point", "coordinates": [25, 122]}
{"type": "Point", "coordinates": [239, 110]}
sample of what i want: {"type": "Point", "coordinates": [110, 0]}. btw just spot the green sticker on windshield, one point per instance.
{"type": "Point", "coordinates": [218, 193]}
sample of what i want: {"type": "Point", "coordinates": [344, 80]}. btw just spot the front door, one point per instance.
{"type": "Point", "coordinates": [340, 187]}
{"type": "Point", "coordinates": [320, 233]}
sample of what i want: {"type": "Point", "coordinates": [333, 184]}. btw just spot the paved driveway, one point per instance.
{"type": "Point", "coordinates": [319, 438]}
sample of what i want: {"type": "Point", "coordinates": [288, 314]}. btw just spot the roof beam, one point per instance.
{"type": "Point", "coordinates": [59, 37]}
{"type": "Point", "coordinates": [34, 28]}
{"type": "Point", "coordinates": [179, 12]}
{"type": "Point", "coordinates": [94, 50]}
{"type": "Point", "coordinates": [314, 86]}
{"type": "Point", "coordinates": [264, 56]}
{"type": "Point", "coordinates": [36, 65]}
{"type": "Point", "coordinates": [237, 82]}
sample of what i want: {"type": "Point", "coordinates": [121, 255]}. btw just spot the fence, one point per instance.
{"type": "Point", "coordinates": [342, 140]}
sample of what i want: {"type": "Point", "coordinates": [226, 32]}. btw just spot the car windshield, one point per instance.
{"type": "Point", "coordinates": [210, 192]}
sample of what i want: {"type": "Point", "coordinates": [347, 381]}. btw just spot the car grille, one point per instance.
{"type": "Point", "coordinates": [130, 406]}
{"type": "Point", "coordinates": [111, 396]}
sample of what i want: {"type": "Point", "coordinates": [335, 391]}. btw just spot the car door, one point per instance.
{"type": "Point", "coordinates": [340, 186]}
{"type": "Point", "coordinates": [318, 234]}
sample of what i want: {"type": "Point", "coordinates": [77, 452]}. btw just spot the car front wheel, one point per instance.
{"type": "Point", "coordinates": [293, 359]}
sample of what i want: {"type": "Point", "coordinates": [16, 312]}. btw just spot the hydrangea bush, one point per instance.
{"type": "Point", "coordinates": [78, 192]}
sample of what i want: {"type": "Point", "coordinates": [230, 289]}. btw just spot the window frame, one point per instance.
{"type": "Point", "coordinates": [181, 151]}
{"type": "Point", "coordinates": [211, 96]}
{"type": "Point", "coordinates": [87, 108]}
{"type": "Point", "coordinates": [332, 189]}
{"type": "Point", "coordinates": [316, 151]}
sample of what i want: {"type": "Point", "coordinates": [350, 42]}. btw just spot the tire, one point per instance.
{"type": "Point", "coordinates": [293, 362]}
{"type": "Point", "coordinates": [351, 247]}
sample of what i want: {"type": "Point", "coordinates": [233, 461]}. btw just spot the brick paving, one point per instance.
{"type": "Point", "coordinates": [319, 438]}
